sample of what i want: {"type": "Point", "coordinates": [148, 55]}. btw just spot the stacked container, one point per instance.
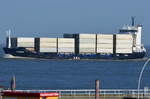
{"type": "Point", "coordinates": [28, 43]}
{"type": "Point", "coordinates": [87, 43]}
{"type": "Point", "coordinates": [48, 45]}
{"type": "Point", "coordinates": [66, 45]}
{"type": "Point", "coordinates": [124, 43]}
{"type": "Point", "coordinates": [104, 43]}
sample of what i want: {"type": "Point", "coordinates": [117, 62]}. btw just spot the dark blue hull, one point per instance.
{"type": "Point", "coordinates": [22, 52]}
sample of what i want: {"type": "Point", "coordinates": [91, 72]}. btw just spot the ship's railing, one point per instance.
{"type": "Point", "coordinates": [91, 92]}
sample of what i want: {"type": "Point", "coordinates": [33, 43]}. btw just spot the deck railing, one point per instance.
{"type": "Point", "coordinates": [91, 92]}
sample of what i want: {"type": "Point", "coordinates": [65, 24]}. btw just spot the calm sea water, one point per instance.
{"type": "Point", "coordinates": [72, 74]}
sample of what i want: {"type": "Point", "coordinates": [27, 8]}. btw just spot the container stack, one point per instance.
{"type": "Point", "coordinates": [124, 43]}
{"type": "Point", "coordinates": [66, 45]}
{"type": "Point", "coordinates": [87, 43]}
{"type": "Point", "coordinates": [48, 45]}
{"type": "Point", "coordinates": [28, 43]}
{"type": "Point", "coordinates": [84, 44]}
{"type": "Point", "coordinates": [105, 43]}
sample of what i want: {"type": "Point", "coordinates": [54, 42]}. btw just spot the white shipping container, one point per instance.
{"type": "Point", "coordinates": [86, 50]}
{"type": "Point", "coordinates": [48, 49]}
{"type": "Point", "coordinates": [25, 39]}
{"type": "Point", "coordinates": [87, 45]}
{"type": "Point", "coordinates": [69, 43]}
{"type": "Point", "coordinates": [69, 50]}
{"type": "Point", "coordinates": [104, 45]}
{"type": "Point", "coordinates": [66, 40]}
{"type": "Point", "coordinates": [25, 44]}
{"type": "Point", "coordinates": [85, 40]}
{"type": "Point", "coordinates": [105, 41]}
{"type": "Point", "coordinates": [124, 46]}
{"type": "Point", "coordinates": [124, 36]}
{"type": "Point", "coordinates": [123, 51]}
{"type": "Point", "coordinates": [99, 50]}
{"type": "Point", "coordinates": [48, 44]}
{"type": "Point", "coordinates": [104, 36]}
{"type": "Point", "coordinates": [48, 40]}
{"type": "Point", "coordinates": [124, 42]}
{"type": "Point", "coordinates": [65, 45]}
{"type": "Point", "coordinates": [87, 35]}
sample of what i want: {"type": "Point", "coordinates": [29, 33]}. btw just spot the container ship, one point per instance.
{"type": "Point", "coordinates": [123, 45]}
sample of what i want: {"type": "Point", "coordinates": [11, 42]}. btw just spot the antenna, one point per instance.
{"type": "Point", "coordinates": [133, 20]}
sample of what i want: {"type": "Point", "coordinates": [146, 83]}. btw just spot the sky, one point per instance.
{"type": "Point", "coordinates": [52, 18]}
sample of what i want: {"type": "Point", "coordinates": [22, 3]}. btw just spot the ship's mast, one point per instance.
{"type": "Point", "coordinates": [9, 38]}
{"type": "Point", "coordinates": [133, 20]}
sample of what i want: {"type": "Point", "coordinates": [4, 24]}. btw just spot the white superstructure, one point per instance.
{"type": "Point", "coordinates": [138, 44]}
{"type": "Point", "coordinates": [136, 32]}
